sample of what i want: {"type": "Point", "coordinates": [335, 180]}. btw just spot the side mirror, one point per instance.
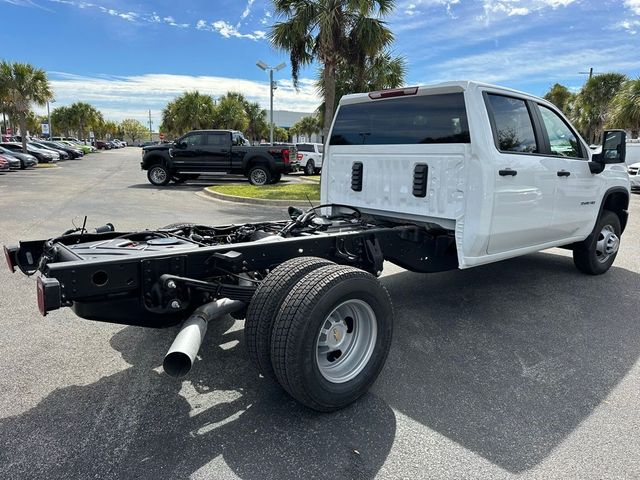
{"type": "Point", "coordinates": [614, 150]}
{"type": "Point", "coordinates": [614, 146]}
{"type": "Point", "coordinates": [180, 144]}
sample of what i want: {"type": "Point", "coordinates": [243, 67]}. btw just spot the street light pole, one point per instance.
{"type": "Point", "coordinates": [263, 66]}
{"type": "Point", "coordinates": [49, 119]}
{"type": "Point", "coordinates": [271, 106]}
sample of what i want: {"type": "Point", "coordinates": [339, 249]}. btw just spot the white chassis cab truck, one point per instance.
{"type": "Point", "coordinates": [430, 178]}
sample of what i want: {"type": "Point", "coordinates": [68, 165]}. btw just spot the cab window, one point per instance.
{"type": "Point", "coordinates": [194, 140]}
{"type": "Point", "coordinates": [562, 140]}
{"type": "Point", "coordinates": [217, 139]}
{"type": "Point", "coordinates": [513, 125]}
{"type": "Point", "coordinates": [422, 119]}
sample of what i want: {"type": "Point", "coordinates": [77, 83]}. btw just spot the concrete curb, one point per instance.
{"type": "Point", "coordinates": [250, 201]}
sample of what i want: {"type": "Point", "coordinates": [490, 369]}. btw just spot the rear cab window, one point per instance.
{"type": "Point", "coordinates": [512, 124]}
{"type": "Point", "coordinates": [410, 120]}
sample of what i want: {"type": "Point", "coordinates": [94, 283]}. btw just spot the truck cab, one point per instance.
{"type": "Point", "coordinates": [216, 152]}
{"type": "Point", "coordinates": [504, 171]}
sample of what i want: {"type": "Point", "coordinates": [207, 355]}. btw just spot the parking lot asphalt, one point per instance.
{"type": "Point", "coordinates": [524, 368]}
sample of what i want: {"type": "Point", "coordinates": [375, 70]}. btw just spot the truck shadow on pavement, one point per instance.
{"type": "Point", "coordinates": [508, 359]}
{"type": "Point", "coordinates": [140, 423]}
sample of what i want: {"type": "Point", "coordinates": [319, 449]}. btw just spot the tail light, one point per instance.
{"type": "Point", "coordinates": [285, 155]}
{"type": "Point", "coordinates": [48, 290]}
{"type": "Point", "coordinates": [9, 257]}
{"type": "Point", "coordinates": [299, 156]}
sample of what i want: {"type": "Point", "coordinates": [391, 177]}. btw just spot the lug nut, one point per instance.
{"type": "Point", "coordinates": [171, 284]}
{"type": "Point", "coordinates": [175, 305]}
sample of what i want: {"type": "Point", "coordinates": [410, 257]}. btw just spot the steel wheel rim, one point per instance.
{"type": "Point", "coordinates": [259, 177]}
{"type": "Point", "coordinates": [607, 244]}
{"type": "Point", "coordinates": [158, 175]}
{"type": "Point", "coordinates": [346, 341]}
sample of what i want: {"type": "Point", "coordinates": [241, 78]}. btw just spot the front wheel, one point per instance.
{"type": "Point", "coordinates": [596, 254]}
{"type": "Point", "coordinates": [259, 175]}
{"type": "Point", "coordinates": [158, 175]}
{"type": "Point", "coordinates": [331, 337]}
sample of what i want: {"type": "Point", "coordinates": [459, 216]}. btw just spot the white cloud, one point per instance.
{"type": "Point", "coordinates": [633, 5]}
{"type": "Point", "coordinates": [631, 26]}
{"type": "Point", "coordinates": [121, 97]}
{"type": "Point", "coordinates": [247, 10]}
{"type": "Point", "coordinates": [227, 30]}
{"type": "Point", "coordinates": [222, 27]}
{"type": "Point", "coordinates": [520, 7]}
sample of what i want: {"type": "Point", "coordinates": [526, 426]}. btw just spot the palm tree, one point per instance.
{"type": "Point", "coordinates": [593, 102]}
{"type": "Point", "coordinates": [381, 71]}
{"type": "Point", "coordinates": [561, 97]}
{"type": "Point", "coordinates": [83, 117]}
{"type": "Point", "coordinates": [22, 85]}
{"type": "Point", "coordinates": [257, 117]}
{"type": "Point", "coordinates": [189, 111]}
{"type": "Point", "coordinates": [306, 126]}
{"type": "Point", "coordinates": [330, 31]}
{"type": "Point", "coordinates": [230, 112]}
{"type": "Point", "coordinates": [61, 118]}
{"type": "Point", "coordinates": [625, 110]}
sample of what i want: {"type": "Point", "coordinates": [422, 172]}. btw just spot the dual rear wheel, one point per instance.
{"type": "Point", "coordinates": [322, 330]}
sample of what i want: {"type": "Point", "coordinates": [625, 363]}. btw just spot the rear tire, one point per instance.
{"type": "Point", "coordinates": [265, 304]}
{"type": "Point", "coordinates": [259, 175]}
{"type": "Point", "coordinates": [332, 336]}
{"type": "Point", "coordinates": [158, 175]}
{"type": "Point", "coordinates": [310, 167]}
{"type": "Point", "coordinates": [596, 254]}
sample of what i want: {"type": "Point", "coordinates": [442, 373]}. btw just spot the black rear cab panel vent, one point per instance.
{"type": "Point", "coordinates": [420, 173]}
{"type": "Point", "coordinates": [356, 177]}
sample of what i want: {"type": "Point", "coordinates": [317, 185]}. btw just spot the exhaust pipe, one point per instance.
{"type": "Point", "coordinates": [182, 353]}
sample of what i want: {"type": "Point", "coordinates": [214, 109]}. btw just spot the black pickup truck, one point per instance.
{"type": "Point", "coordinates": [216, 152]}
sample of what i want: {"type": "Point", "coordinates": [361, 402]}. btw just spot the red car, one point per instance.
{"type": "Point", "coordinates": [103, 145]}
{"type": "Point", "coordinates": [4, 164]}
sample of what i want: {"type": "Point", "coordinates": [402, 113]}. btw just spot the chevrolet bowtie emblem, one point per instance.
{"type": "Point", "coordinates": [336, 334]}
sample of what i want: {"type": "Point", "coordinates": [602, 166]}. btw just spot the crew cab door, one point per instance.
{"type": "Point", "coordinates": [577, 191]}
{"type": "Point", "coordinates": [525, 180]}
{"type": "Point", "coordinates": [187, 150]}
{"type": "Point", "coordinates": [217, 152]}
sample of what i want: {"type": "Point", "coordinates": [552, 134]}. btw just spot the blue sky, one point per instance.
{"type": "Point", "coordinates": [129, 57]}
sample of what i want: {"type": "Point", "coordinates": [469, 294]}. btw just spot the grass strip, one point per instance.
{"type": "Point", "coordinates": [298, 191]}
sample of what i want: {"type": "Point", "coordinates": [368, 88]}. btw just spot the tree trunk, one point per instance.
{"type": "Point", "coordinates": [329, 74]}
{"type": "Point", "coordinates": [22, 117]}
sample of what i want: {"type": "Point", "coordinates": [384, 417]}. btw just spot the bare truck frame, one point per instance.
{"type": "Point", "coordinates": [190, 274]}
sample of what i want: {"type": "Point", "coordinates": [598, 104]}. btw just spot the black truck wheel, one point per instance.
{"type": "Point", "coordinates": [259, 175]}
{"type": "Point", "coordinates": [310, 168]}
{"type": "Point", "coordinates": [158, 175]}
{"type": "Point", "coordinates": [265, 304]}
{"type": "Point", "coordinates": [596, 254]}
{"type": "Point", "coordinates": [331, 337]}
